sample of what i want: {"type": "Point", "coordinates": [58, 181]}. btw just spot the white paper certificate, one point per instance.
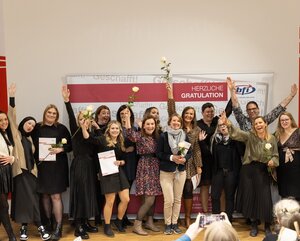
{"type": "Point", "coordinates": [44, 146]}
{"type": "Point", "coordinates": [106, 160]}
{"type": "Point", "coordinates": [196, 180]}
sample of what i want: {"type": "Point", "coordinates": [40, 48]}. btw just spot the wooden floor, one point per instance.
{"type": "Point", "coordinates": [68, 233]}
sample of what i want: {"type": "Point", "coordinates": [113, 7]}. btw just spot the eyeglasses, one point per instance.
{"type": "Point", "coordinates": [252, 109]}
{"type": "Point", "coordinates": [284, 120]}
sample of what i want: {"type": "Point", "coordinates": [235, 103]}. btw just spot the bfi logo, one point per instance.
{"type": "Point", "coordinates": [244, 89]}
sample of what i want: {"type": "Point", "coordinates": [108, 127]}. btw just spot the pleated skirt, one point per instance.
{"type": "Point", "coordinates": [254, 194]}
{"type": "Point", "coordinates": [5, 179]}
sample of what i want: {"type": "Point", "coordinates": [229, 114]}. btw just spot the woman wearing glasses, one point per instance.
{"type": "Point", "coordinates": [288, 136]}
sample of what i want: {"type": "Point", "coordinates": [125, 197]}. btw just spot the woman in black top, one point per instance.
{"type": "Point", "coordinates": [83, 198]}
{"type": "Point", "coordinates": [53, 178]}
{"type": "Point", "coordinates": [6, 160]}
{"type": "Point", "coordinates": [113, 183]}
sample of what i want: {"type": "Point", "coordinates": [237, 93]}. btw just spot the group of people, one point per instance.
{"type": "Point", "coordinates": [232, 162]}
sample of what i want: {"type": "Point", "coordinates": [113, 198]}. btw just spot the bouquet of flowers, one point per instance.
{"type": "Point", "coordinates": [182, 149]}
{"type": "Point", "coordinates": [166, 68]}
{"type": "Point", "coordinates": [132, 96]}
{"type": "Point", "coordinates": [87, 114]}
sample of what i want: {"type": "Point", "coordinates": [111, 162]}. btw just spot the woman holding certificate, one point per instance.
{"type": "Point", "coordinates": [112, 178]}
{"type": "Point", "coordinates": [52, 141]}
{"type": "Point", "coordinates": [6, 160]}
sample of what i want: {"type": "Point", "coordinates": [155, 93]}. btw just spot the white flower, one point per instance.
{"type": "Point", "coordinates": [181, 145]}
{"type": "Point", "coordinates": [89, 108]}
{"type": "Point", "coordinates": [163, 60]}
{"type": "Point", "coordinates": [268, 146]}
{"type": "Point", "coordinates": [85, 113]}
{"type": "Point", "coordinates": [135, 89]}
{"type": "Point", "coordinates": [64, 141]}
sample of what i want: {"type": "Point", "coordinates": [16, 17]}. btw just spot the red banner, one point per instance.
{"type": "Point", "coordinates": [149, 92]}
{"type": "Point", "coordinates": [3, 84]}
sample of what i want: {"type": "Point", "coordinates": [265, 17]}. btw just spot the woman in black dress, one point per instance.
{"type": "Point", "coordinates": [25, 200]}
{"type": "Point", "coordinates": [83, 199]}
{"type": "Point", "coordinates": [6, 160]}
{"type": "Point", "coordinates": [113, 183]}
{"type": "Point", "coordinates": [208, 124]}
{"type": "Point", "coordinates": [130, 151]}
{"type": "Point", "coordinates": [53, 175]}
{"type": "Point", "coordinates": [288, 136]}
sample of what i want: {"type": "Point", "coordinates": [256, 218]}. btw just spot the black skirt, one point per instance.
{"type": "Point", "coordinates": [83, 198]}
{"type": "Point", "coordinates": [25, 199]}
{"type": "Point", "coordinates": [254, 198]}
{"type": "Point", "coordinates": [5, 179]}
{"type": "Point", "coordinates": [114, 183]}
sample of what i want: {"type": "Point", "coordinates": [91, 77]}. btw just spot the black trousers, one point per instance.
{"type": "Point", "coordinates": [227, 180]}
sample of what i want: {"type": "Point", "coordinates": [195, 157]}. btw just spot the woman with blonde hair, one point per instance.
{"type": "Point", "coordinates": [53, 178]}
{"type": "Point", "coordinates": [254, 199]}
{"type": "Point", "coordinates": [113, 183]}
{"type": "Point", "coordinates": [220, 231]}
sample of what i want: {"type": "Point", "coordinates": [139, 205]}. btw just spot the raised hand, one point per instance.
{"type": "Point", "coordinates": [12, 90]}
{"type": "Point", "coordinates": [231, 84]}
{"type": "Point", "coordinates": [202, 135]}
{"type": "Point", "coordinates": [294, 90]}
{"type": "Point", "coordinates": [65, 93]}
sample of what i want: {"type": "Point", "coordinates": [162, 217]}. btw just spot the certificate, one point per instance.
{"type": "Point", "coordinates": [196, 180]}
{"type": "Point", "coordinates": [44, 146]}
{"type": "Point", "coordinates": [107, 162]}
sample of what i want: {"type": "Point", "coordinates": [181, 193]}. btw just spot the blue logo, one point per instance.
{"type": "Point", "coordinates": [244, 89]}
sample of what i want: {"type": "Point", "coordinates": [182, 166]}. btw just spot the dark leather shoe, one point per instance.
{"type": "Point", "coordinates": [107, 231]}
{"type": "Point", "coordinates": [254, 230]}
{"type": "Point", "coordinates": [119, 226]}
{"type": "Point", "coordinates": [89, 228]}
{"type": "Point", "coordinates": [80, 232]}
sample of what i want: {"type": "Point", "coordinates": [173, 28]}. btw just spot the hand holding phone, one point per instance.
{"type": "Point", "coordinates": [208, 219]}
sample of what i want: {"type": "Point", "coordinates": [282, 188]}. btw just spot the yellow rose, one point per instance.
{"type": "Point", "coordinates": [163, 60]}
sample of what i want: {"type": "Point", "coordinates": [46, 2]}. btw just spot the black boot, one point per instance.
{"type": "Point", "coordinates": [57, 232]}
{"type": "Point", "coordinates": [119, 226]}
{"type": "Point", "coordinates": [48, 225]}
{"type": "Point", "coordinates": [80, 232]}
{"type": "Point", "coordinates": [254, 229]}
{"type": "Point", "coordinates": [126, 222]}
{"type": "Point", "coordinates": [107, 231]}
{"type": "Point", "coordinates": [89, 228]}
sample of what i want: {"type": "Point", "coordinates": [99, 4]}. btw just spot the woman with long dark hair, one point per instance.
{"type": "Point", "coordinates": [6, 160]}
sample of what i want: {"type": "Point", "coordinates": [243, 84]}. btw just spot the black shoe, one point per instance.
{"type": "Point", "coordinates": [176, 229]}
{"type": "Point", "coordinates": [57, 232]}
{"type": "Point", "coordinates": [107, 231]}
{"type": "Point", "coordinates": [126, 222]}
{"type": "Point", "coordinates": [23, 233]}
{"type": "Point", "coordinates": [45, 235]}
{"type": "Point", "coordinates": [89, 228]}
{"type": "Point", "coordinates": [80, 232]}
{"type": "Point", "coordinates": [119, 226]}
{"type": "Point", "coordinates": [254, 230]}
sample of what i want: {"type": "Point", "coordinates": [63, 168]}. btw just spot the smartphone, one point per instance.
{"type": "Point", "coordinates": [208, 219]}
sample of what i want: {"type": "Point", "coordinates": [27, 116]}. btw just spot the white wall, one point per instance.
{"type": "Point", "coordinates": [48, 39]}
